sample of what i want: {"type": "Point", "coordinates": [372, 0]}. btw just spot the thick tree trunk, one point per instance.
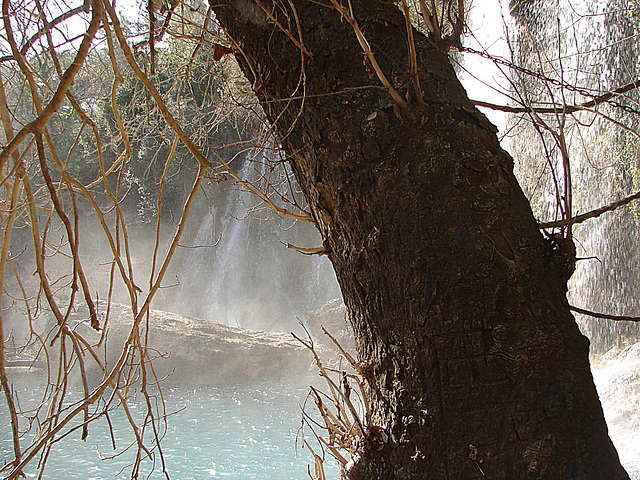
{"type": "Point", "coordinates": [476, 366]}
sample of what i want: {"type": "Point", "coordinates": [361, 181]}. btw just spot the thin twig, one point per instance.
{"type": "Point", "coordinates": [605, 316]}
{"type": "Point", "coordinates": [281, 27]}
{"type": "Point", "coordinates": [568, 109]}
{"type": "Point", "coordinates": [413, 57]}
{"type": "Point", "coordinates": [369, 53]}
{"type": "Point", "coordinates": [307, 251]}
{"type": "Point", "coordinates": [66, 80]}
{"type": "Point", "coordinates": [593, 213]}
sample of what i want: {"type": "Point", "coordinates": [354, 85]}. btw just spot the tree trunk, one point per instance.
{"type": "Point", "coordinates": [476, 366]}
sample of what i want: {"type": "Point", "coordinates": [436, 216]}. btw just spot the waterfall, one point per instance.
{"type": "Point", "coordinates": [239, 272]}
{"type": "Point", "coordinates": [593, 46]}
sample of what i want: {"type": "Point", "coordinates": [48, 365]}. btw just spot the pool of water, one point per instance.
{"type": "Point", "coordinates": [251, 431]}
{"type": "Point", "coordinates": [241, 431]}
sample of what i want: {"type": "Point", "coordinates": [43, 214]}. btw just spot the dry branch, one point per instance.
{"type": "Point", "coordinates": [413, 57]}
{"type": "Point", "coordinates": [567, 109]}
{"type": "Point", "coordinates": [306, 251]}
{"type": "Point", "coordinates": [593, 213]}
{"type": "Point", "coordinates": [348, 15]}
{"type": "Point", "coordinates": [344, 426]}
{"type": "Point", "coordinates": [605, 316]}
{"type": "Point", "coordinates": [38, 124]}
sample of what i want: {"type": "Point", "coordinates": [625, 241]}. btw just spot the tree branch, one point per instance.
{"type": "Point", "coordinates": [66, 80]}
{"type": "Point", "coordinates": [307, 251]}
{"type": "Point", "coordinates": [347, 14]}
{"type": "Point", "coordinates": [593, 213]}
{"type": "Point", "coordinates": [59, 19]}
{"type": "Point", "coordinates": [617, 318]}
{"type": "Point", "coordinates": [568, 109]}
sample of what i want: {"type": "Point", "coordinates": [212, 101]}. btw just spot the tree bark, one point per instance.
{"type": "Point", "coordinates": [475, 364]}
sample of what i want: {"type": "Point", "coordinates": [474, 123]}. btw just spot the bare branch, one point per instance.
{"type": "Point", "coordinates": [593, 213]}
{"type": "Point", "coordinates": [347, 14]}
{"type": "Point", "coordinates": [37, 125]}
{"type": "Point", "coordinates": [307, 251]}
{"type": "Point", "coordinates": [605, 316]}
{"type": "Point", "coordinates": [412, 54]}
{"type": "Point", "coordinates": [59, 19]}
{"type": "Point", "coordinates": [568, 109]}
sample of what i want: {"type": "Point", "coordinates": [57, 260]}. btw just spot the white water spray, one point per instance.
{"type": "Point", "coordinates": [586, 44]}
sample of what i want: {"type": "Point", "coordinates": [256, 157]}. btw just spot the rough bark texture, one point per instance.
{"type": "Point", "coordinates": [476, 366]}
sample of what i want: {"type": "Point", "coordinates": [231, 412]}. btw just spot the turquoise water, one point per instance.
{"type": "Point", "coordinates": [240, 432]}
{"type": "Point", "coordinates": [251, 431]}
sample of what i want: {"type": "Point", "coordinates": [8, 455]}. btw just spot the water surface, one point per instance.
{"type": "Point", "coordinates": [240, 432]}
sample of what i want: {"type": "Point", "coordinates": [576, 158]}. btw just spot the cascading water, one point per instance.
{"type": "Point", "coordinates": [592, 45]}
{"type": "Point", "coordinates": [248, 278]}
{"type": "Point", "coordinates": [241, 274]}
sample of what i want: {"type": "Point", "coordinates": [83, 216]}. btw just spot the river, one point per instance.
{"type": "Point", "coordinates": [246, 431]}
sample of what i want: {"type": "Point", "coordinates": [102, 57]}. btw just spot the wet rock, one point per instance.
{"type": "Point", "coordinates": [617, 379]}
{"type": "Point", "coordinates": [191, 351]}
{"type": "Point", "coordinates": [331, 316]}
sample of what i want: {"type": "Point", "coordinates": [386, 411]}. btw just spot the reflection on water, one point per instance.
{"type": "Point", "coordinates": [246, 431]}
